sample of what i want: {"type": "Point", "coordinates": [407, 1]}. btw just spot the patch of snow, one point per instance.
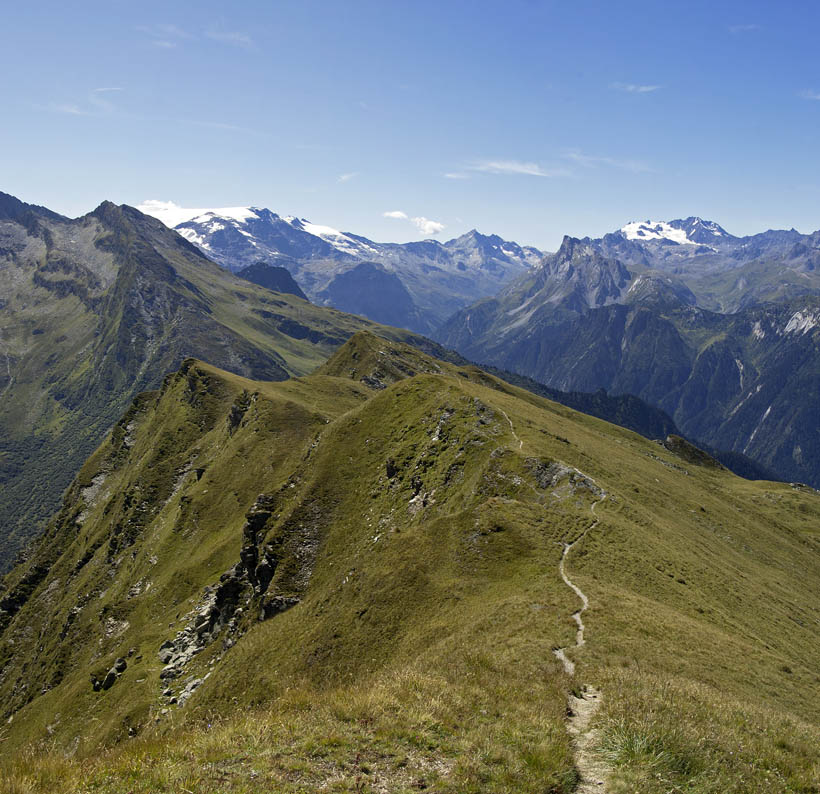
{"type": "Point", "coordinates": [757, 331]}
{"type": "Point", "coordinates": [655, 230]}
{"type": "Point", "coordinates": [743, 401]}
{"type": "Point", "coordinates": [197, 239]}
{"type": "Point", "coordinates": [635, 284]}
{"type": "Point", "coordinates": [337, 239]}
{"type": "Point", "coordinates": [754, 432]}
{"type": "Point", "coordinates": [714, 228]}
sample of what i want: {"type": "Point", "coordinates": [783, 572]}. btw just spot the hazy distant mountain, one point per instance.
{"type": "Point", "coordinates": [630, 313]}
{"type": "Point", "coordinates": [439, 278]}
{"type": "Point", "coordinates": [725, 272]}
{"type": "Point", "coordinates": [271, 277]}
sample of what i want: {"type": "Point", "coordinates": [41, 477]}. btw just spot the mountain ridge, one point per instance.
{"type": "Point", "coordinates": [98, 308]}
{"type": "Point", "coordinates": [387, 563]}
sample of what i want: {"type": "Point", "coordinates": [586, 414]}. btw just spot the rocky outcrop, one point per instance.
{"type": "Point", "coordinates": [227, 609]}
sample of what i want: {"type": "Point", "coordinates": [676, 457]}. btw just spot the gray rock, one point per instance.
{"type": "Point", "coordinates": [169, 671]}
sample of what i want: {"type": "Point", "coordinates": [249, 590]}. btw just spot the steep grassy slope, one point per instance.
{"type": "Point", "coordinates": [97, 309]}
{"type": "Point", "coordinates": [352, 582]}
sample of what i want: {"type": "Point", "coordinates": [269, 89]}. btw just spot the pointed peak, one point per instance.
{"type": "Point", "coordinates": [570, 246]}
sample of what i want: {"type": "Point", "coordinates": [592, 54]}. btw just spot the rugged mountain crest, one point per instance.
{"type": "Point", "coordinates": [423, 283]}
{"type": "Point", "coordinates": [97, 309]}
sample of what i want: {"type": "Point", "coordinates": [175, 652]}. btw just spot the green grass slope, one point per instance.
{"type": "Point", "coordinates": [350, 582]}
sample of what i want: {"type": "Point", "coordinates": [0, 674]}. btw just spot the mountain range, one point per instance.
{"type": "Point", "coordinates": [415, 285]}
{"type": "Point", "coordinates": [97, 309]}
{"type": "Point", "coordinates": [263, 544]}
{"type": "Point", "coordinates": [629, 313]}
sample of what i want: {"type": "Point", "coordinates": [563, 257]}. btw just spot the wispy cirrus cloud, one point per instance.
{"type": "Point", "coordinates": [165, 36]}
{"type": "Point", "coordinates": [593, 161]}
{"type": "Point", "coordinates": [815, 95]}
{"type": "Point", "coordinates": [222, 125]}
{"type": "Point", "coordinates": [234, 38]}
{"type": "Point", "coordinates": [347, 177]}
{"type": "Point", "coordinates": [634, 88]}
{"type": "Point", "coordinates": [168, 37]}
{"type": "Point", "coordinates": [515, 168]}
{"type": "Point", "coordinates": [424, 225]}
{"type": "Point", "coordinates": [95, 104]}
{"type": "Point", "coordinates": [747, 28]}
{"type": "Point", "coordinates": [456, 175]}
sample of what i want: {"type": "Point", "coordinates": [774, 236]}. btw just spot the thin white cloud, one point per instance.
{"type": "Point", "coordinates": [428, 227]}
{"type": "Point", "coordinates": [424, 225]}
{"type": "Point", "coordinates": [634, 88]}
{"type": "Point", "coordinates": [173, 30]}
{"type": "Point", "coordinates": [98, 100]}
{"type": "Point", "coordinates": [221, 125]}
{"type": "Point", "coordinates": [233, 37]}
{"type": "Point", "coordinates": [815, 95]}
{"type": "Point", "coordinates": [347, 177]}
{"type": "Point", "coordinates": [70, 110]}
{"type": "Point", "coordinates": [593, 161]}
{"type": "Point", "coordinates": [516, 167]}
{"type": "Point", "coordinates": [743, 28]}
{"type": "Point", "coordinates": [456, 175]}
{"type": "Point", "coordinates": [166, 36]}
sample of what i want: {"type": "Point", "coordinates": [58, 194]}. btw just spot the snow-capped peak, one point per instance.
{"type": "Point", "coordinates": [654, 230]}
{"type": "Point", "coordinates": [172, 214]}
{"type": "Point", "coordinates": [691, 231]}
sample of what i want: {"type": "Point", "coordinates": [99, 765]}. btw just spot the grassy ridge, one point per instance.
{"type": "Point", "coordinates": [417, 520]}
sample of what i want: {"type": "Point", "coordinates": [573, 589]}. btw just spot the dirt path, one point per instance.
{"type": "Point", "coordinates": [591, 768]}
{"type": "Point", "coordinates": [512, 429]}
{"type": "Point", "coordinates": [593, 772]}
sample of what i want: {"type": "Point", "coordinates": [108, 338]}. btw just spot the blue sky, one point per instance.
{"type": "Point", "coordinates": [528, 118]}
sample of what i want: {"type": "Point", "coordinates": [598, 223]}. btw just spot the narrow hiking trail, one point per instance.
{"type": "Point", "coordinates": [592, 771]}
{"type": "Point", "coordinates": [569, 665]}
{"type": "Point", "coordinates": [512, 429]}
